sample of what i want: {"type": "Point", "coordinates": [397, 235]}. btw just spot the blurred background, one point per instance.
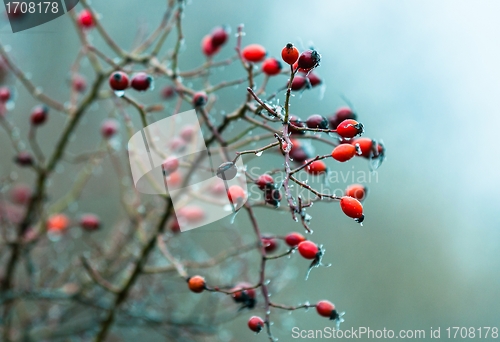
{"type": "Point", "coordinates": [423, 76]}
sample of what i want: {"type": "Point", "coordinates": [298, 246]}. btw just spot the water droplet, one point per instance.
{"type": "Point", "coordinates": [119, 93]}
{"type": "Point", "coordinates": [258, 154]}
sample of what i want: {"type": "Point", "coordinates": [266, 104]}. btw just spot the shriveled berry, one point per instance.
{"type": "Point", "coordinates": [349, 128]}
{"type": "Point", "coordinates": [85, 19]}
{"type": "Point", "coordinates": [254, 53]}
{"type": "Point", "coordinates": [343, 152]}
{"type": "Point", "coordinates": [290, 54]}
{"type": "Point", "coordinates": [326, 309]}
{"type": "Point", "coordinates": [219, 36]}
{"type": "Point", "coordinates": [236, 194]}
{"type": "Point", "coordinates": [308, 249]}
{"type": "Point", "coordinates": [299, 82]}
{"type": "Point", "coordinates": [90, 222]}
{"type": "Point", "coordinates": [200, 99]}
{"type": "Point", "coordinates": [206, 46]}
{"type": "Point", "coordinates": [265, 181]}
{"type": "Point", "coordinates": [356, 191]}
{"type": "Point", "coordinates": [196, 284]}
{"type": "Point", "coordinates": [317, 167]}
{"type": "Point", "coordinates": [352, 208]}
{"type": "Point", "coordinates": [4, 94]}
{"type": "Point", "coordinates": [247, 297]}
{"type": "Point", "coordinates": [118, 81]}
{"type": "Point", "coordinates": [39, 115]}
{"type": "Point", "coordinates": [109, 128]}
{"type": "Point", "coordinates": [317, 121]}
{"type": "Point", "coordinates": [340, 115]}
{"type": "Point", "coordinates": [24, 158]}
{"type": "Point", "coordinates": [270, 244]}
{"type": "Point", "coordinates": [141, 81]}
{"type": "Point", "coordinates": [256, 324]}
{"type": "Point", "coordinates": [271, 67]}
{"type": "Point", "coordinates": [170, 165]}
{"type": "Point", "coordinates": [57, 223]}
{"type": "Point", "coordinates": [272, 196]}
{"type": "Point", "coordinates": [309, 59]}
{"type": "Point", "coordinates": [293, 239]}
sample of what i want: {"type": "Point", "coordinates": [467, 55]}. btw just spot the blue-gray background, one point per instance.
{"type": "Point", "coordinates": [425, 77]}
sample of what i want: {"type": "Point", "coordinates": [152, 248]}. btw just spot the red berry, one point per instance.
{"type": "Point", "coordinates": [317, 167]}
{"type": "Point", "coordinates": [174, 180]}
{"type": "Point", "coordinates": [236, 194]}
{"type": "Point", "coordinates": [85, 19]}
{"type": "Point", "coordinates": [309, 59]}
{"type": "Point", "coordinates": [200, 99]}
{"type": "Point", "coordinates": [265, 181]}
{"type": "Point", "coordinates": [171, 164]}
{"type": "Point", "coordinates": [290, 54]}
{"type": "Point", "coordinates": [271, 67]}
{"type": "Point", "coordinates": [219, 36]}
{"type": "Point", "coordinates": [168, 92]}
{"type": "Point", "coordinates": [293, 239]}
{"type": "Point", "coordinates": [314, 80]}
{"type": "Point", "coordinates": [270, 244]}
{"type": "Point", "coordinates": [196, 284]}
{"type": "Point", "coordinates": [109, 128]}
{"type": "Point", "coordinates": [207, 47]}
{"type": "Point", "coordinates": [293, 123]}
{"type": "Point", "coordinates": [4, 94]}
{"type": "Point", "coordinates": [57, 223]}
{"type": "Point", "coordinates": [255, 323]}
{"type": "Point", "coordinates": [352, 208]}
{"type": "Point", "coordinates": [356, 191]}
{"type": "Point", "coordinates": [141, 81]}
{"type": "Point", "coordinates": [78, 83]}
{"type": "Point", "coordinates": [190, 213]}
{"type": "Point", "coordinates": [326, 309]}
{"type": "Point", "coordinates": [317, 121]}
{"type": "Point", "coordinates": [20, 194]}
{"type": "Point", "coordinates": [298, 154]}
{"type": "Point", "coordinates": [349, 128]}
{"type": "Point", "coordinates": [365, 145]}
{"type": "Point", "coordinates": [187, 133]}
{"type": "Point", "coordinates": [24, 158]}
{"type": "Point", "coordinates": [254, 53]}
{"type": "Point", "coordinates": [39, 115]}
{"type": "Point", "coordinates": [175, 226]}
{"type": "Point", "coordinates": [298, 82]}
{"type": "Point", "coordinates": [340, 115]}
{"type": "Point", "coordinates": [118, 80]}
{"type": "Point", "coordinates": [343, 152]}
{"type": "Point", "coordinates": [90, 222]}
{"type": "Point", "coordinates": [308, 249]}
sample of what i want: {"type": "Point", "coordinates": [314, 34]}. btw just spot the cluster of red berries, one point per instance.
{"type": "Point", "coordinates": [59, 223]}
{"type": "Point", "coordinates": [212, 43]}
{"type": "Point", "coordinates": [119, 81]}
